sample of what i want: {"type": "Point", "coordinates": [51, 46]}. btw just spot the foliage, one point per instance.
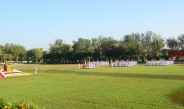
{"type": "Point", "coordinates": [13, 51]}
{"type": "Point", "coordinates": [23, 104]}
{"type": "Point", "coordinates": [1, 52]}
{"type": "Point", "coordinates": [59, 51]}
{"type": "Point", "coordinates": [35, 54]}
{"type": "Point", "coordinates": [82, 45]}
{"type": "Point", "coordinates": [17, 51]}
{"type": "Point", "coordinates": [176, 44]}
{"type": "Point", "coordinates": [172, 43]}
{"type": "Point", "coordinates": [134, 46]}
{"type": "Point", "coordinates": [181, 41]}
{"type": "Point", "coordinates": [157, 45]}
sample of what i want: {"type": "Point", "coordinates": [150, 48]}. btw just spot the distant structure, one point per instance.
{"type": "Point", "coordinates": [173, 53]}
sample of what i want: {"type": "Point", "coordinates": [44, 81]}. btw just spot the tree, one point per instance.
{"type": "Point", "coordinates": [137, 45]}
{"type": "Point", "coordinates": [132, 46]}
{"type": "Point", "coordinates": [172, 43]}
{"type": "Point", "coordinates": [146, 40]}
{"type": "Point", "coordinates": [59, 51]}
{"type": "Point", "coordinates": [30, 55]}
{"type": "Point", "coordinates": [67, 48]}
{"type": "Point", "coordinates": [68, 52]}
{"type": "Point", "coordinates": [123, 49]}
{"type": "Point", "coordinates": [157, 45]}
{"type": "Point", "coordinates": [56, 47]}
{"type": "Point", "coordinates": [46, 57]}
{"type": "Point", "coordinates": [108, 48]}
{"type": "Point", "coordinates": [181, 41]}
{"type": "Point", "coordinates": [6, 48]}
{"type": "Point", "coordinates": [4, 57]}
{"type": "Point", "coordinates": [95, 45]}
{"type": "Point", "coordinates": [82, 45]}
{"type": "Point", "coordinates": [96, 42]}
{"type": "Point", "coordinates": [9, 57]}
{"type": "Point", "coordinates": [35, 54]}
{"type": "Point", "coordinates": [98, 48]}
{"type": "Point", "coordinates": [1, 52]}
{"type": "Point", "coordinates": [17, 51]}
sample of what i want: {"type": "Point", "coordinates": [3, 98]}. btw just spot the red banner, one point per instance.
{"type": "Point", "coordinates": [173, 53]}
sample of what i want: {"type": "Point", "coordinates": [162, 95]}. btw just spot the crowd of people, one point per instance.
{"type": "Point", "coordinates": [159, 63]}
{"type": "Point", "coordinates": [123, 63]}
{"type": "Point", "coordinates": [117, 63]}
{"type": "Point", "coordinates": [93, 64]}
{"type": "Point", "coordinates": [178, 61]}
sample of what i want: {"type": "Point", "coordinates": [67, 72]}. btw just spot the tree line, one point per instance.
{"type": "Point", "coordinates": [135, 46]}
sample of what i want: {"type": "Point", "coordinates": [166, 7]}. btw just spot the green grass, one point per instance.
{"type": "Point", "coordinates": [65, 86]}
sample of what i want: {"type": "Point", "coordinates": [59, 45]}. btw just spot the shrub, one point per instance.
{"type": "Point", "coordinates": [23, 104]}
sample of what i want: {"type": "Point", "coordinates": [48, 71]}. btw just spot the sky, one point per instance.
{"type": "Point", "coordinates": [37, 23]}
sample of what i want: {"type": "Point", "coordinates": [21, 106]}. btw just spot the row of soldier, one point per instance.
{"type": "Point", "coordinates": [117, 63]}
{"type": "Point", "coordinates": [93, 64]}
{"type": "Point", "coordinates": [123, 63]}
{"type": "Point", "coordinates": [159, 63]}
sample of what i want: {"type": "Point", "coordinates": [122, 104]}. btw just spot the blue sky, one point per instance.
{"type": "Point", "coordinates": [36, 23]}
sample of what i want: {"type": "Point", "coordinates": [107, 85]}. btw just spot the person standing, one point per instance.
{"type": "Point", "coordinates": [35, 71]}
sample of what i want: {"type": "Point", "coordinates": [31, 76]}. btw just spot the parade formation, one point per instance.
{"type": "Point", "coordinates": [122, 63]}
{"type": "Point", "coordinates": [159, 63]}
{"type": "Point", "coordinates": [88, 64]}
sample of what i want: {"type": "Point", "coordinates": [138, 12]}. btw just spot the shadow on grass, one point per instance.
{"type": "Point", "coordinates": [128, 75]}
{"type": "Point", "coordinates": [177, 96]}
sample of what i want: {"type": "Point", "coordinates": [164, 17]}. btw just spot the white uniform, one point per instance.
{"type": "Point", "coordinates": [79, 66]}
{"type": "Point", "coordinates": [36, 71]}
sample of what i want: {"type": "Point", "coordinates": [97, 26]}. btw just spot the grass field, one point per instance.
{"type": "Point", "coordinates": [66, 87]}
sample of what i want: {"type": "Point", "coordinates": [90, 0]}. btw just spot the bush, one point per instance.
{"type": "Point", "coordinates": [24, 104]}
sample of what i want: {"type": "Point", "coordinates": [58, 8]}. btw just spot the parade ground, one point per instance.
{"type": "Point", "coordinates": [64, 86]}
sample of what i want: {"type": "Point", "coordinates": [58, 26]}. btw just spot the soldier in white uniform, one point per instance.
{"type": "Point", "coordinates": [35, 71]}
